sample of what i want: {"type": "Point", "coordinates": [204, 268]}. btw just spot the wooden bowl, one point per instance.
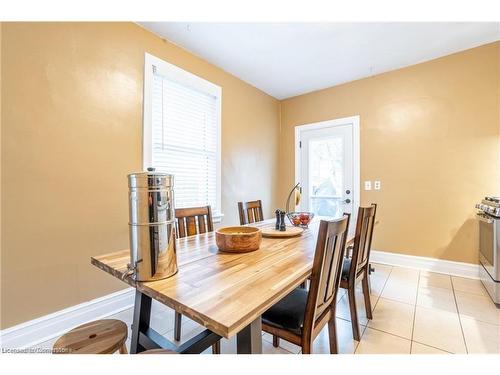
{"type": "Point", "coordinates": [238, 239]}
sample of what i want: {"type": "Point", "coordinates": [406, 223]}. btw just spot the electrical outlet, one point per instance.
{"type": "Point", "coordinates": [368, 185]}
{"type": "Point", "coordinates": [376, 185]}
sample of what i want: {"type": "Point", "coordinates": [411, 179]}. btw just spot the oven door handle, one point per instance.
{"type": "Point", "coordinates": [484, 219]}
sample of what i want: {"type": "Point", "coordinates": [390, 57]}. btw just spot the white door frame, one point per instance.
{"type": "Point", "coordinates": [354, 122]}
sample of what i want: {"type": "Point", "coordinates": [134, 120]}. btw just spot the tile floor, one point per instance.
{"type": "Point", "coordinates": [415, 312]}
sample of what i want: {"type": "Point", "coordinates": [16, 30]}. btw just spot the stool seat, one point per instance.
{"type": "Point", "coordinates": [104, 336]}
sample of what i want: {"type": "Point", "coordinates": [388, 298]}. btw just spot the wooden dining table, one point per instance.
{"type": "Point", "coordinates": [227, 293]}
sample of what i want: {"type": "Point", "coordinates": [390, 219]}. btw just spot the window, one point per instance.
{"type": "Point", "coordinates": [182, 116]}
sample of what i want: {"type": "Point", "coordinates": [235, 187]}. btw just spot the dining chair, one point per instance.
{"type": "Point", "coordinates": [250, 212]}
{"type": "Point", "coordinates": [191, 221]}
{"type": "Point", "coordinates": [300, 316]}
{"type": "Point", "coordinates": [358, 266]}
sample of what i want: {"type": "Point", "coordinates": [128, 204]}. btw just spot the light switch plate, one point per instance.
{"type": "Point", "coordinates": [368, 185]}
{"type": "Point", "coordinates": [376, 185]}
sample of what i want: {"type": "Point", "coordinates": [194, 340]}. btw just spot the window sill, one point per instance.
{"type": "Point", "coordinates": [217, 218]}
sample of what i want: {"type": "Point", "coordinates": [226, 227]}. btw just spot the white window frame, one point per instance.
{"type": "Point", "coordinates": [183, 77]}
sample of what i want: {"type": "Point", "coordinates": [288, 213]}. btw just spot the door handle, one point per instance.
{"type": "Point", "coordinates": [347, 201]}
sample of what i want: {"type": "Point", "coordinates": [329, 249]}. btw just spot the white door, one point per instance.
{"type": "Point", "coordinates": [328, 167]}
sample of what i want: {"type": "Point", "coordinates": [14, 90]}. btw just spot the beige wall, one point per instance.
{"type": "Point", "coordinates": [71, 131]}
{"type": "Point", "coordinates": [71, 112]}
{"type": "Point", "coordinates": [431, 134]}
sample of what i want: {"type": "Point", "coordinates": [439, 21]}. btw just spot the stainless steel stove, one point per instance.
{"type": "Point", "coordinates": [489, 245]}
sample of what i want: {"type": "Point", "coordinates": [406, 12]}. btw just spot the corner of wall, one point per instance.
{"type": "Point", "coordinates": [279, 181]}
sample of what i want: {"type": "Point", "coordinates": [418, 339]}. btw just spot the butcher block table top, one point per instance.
{"type": "Point", "coordinates": [226, 292]}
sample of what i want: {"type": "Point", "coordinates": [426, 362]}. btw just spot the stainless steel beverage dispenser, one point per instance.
{"type": "Point", "coordinates": [152, 226]}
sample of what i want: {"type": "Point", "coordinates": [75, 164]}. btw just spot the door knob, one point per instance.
{"type": "Point", "coordinates": [347, 200]}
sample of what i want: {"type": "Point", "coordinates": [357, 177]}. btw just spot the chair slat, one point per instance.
{"type": "Point", "coordinates": [201, 224]}
{"type": "Point", "coordinates": [250, 216]}
{"type": "Point", "coordinates": [191, 225]}
{"type": "Point", "coordinates": [181, 228]}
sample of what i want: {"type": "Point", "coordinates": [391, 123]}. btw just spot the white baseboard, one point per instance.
{"type": "Point", "coordinates": [448, 267]}
{"type": "Point", "coordinates": [49, 326]}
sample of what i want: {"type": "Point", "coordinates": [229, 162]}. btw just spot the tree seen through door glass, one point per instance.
{"type": "Point", "coordinates": [326, 158]}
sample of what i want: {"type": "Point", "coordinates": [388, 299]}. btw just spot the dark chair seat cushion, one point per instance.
{"type": "Point", "coordinates": [346, 267]}
{"type": "Point", "coordinates": [289, 312]}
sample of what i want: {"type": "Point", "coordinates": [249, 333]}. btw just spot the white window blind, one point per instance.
{"type": "Point", "coordinates": [185, 134]}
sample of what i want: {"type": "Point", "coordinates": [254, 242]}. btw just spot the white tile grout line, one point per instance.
{"type": "Point", "coordinates": [393, 334]}
{"type": "Point", "coordinates": [430, 346]}
{"type": "Point", "coordinates": [415, 312]}
{"type": "Point", "coordinates": [407, 339]}
{"type": "Point", "coordinates": [458, 313]}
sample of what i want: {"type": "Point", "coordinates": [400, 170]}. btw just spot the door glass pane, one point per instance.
{"type": "Point", "coordinates": [326, 161]}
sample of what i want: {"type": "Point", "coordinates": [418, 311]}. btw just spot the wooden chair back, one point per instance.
{"type": "Point", "coordinates": [193, 220]}
{"type": "Point", "coordinates": [363, 239]}
{"type": "Point", "coordinates": [250, 212]}
{"type": "Point", "coordinates": [327, 269]}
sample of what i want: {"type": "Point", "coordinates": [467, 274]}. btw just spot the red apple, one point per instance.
{"type": "Point", "coordinates": [304, 218]}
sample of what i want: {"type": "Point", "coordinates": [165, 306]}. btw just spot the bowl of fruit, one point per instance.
{"type": "Point", "coordinates": [300, 219]}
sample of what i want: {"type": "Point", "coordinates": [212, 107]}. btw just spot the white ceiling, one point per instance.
{"type": "Point", "coordinates": [289, 59]}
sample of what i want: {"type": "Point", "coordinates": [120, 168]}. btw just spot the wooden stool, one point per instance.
{"type": "Point", "coordinates": [104, 336]}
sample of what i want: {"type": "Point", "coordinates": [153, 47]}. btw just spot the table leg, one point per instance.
{"type": "Point", "coordinates": [249, 339]}
{"type": "Point", "coordinates": [142, 316]}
